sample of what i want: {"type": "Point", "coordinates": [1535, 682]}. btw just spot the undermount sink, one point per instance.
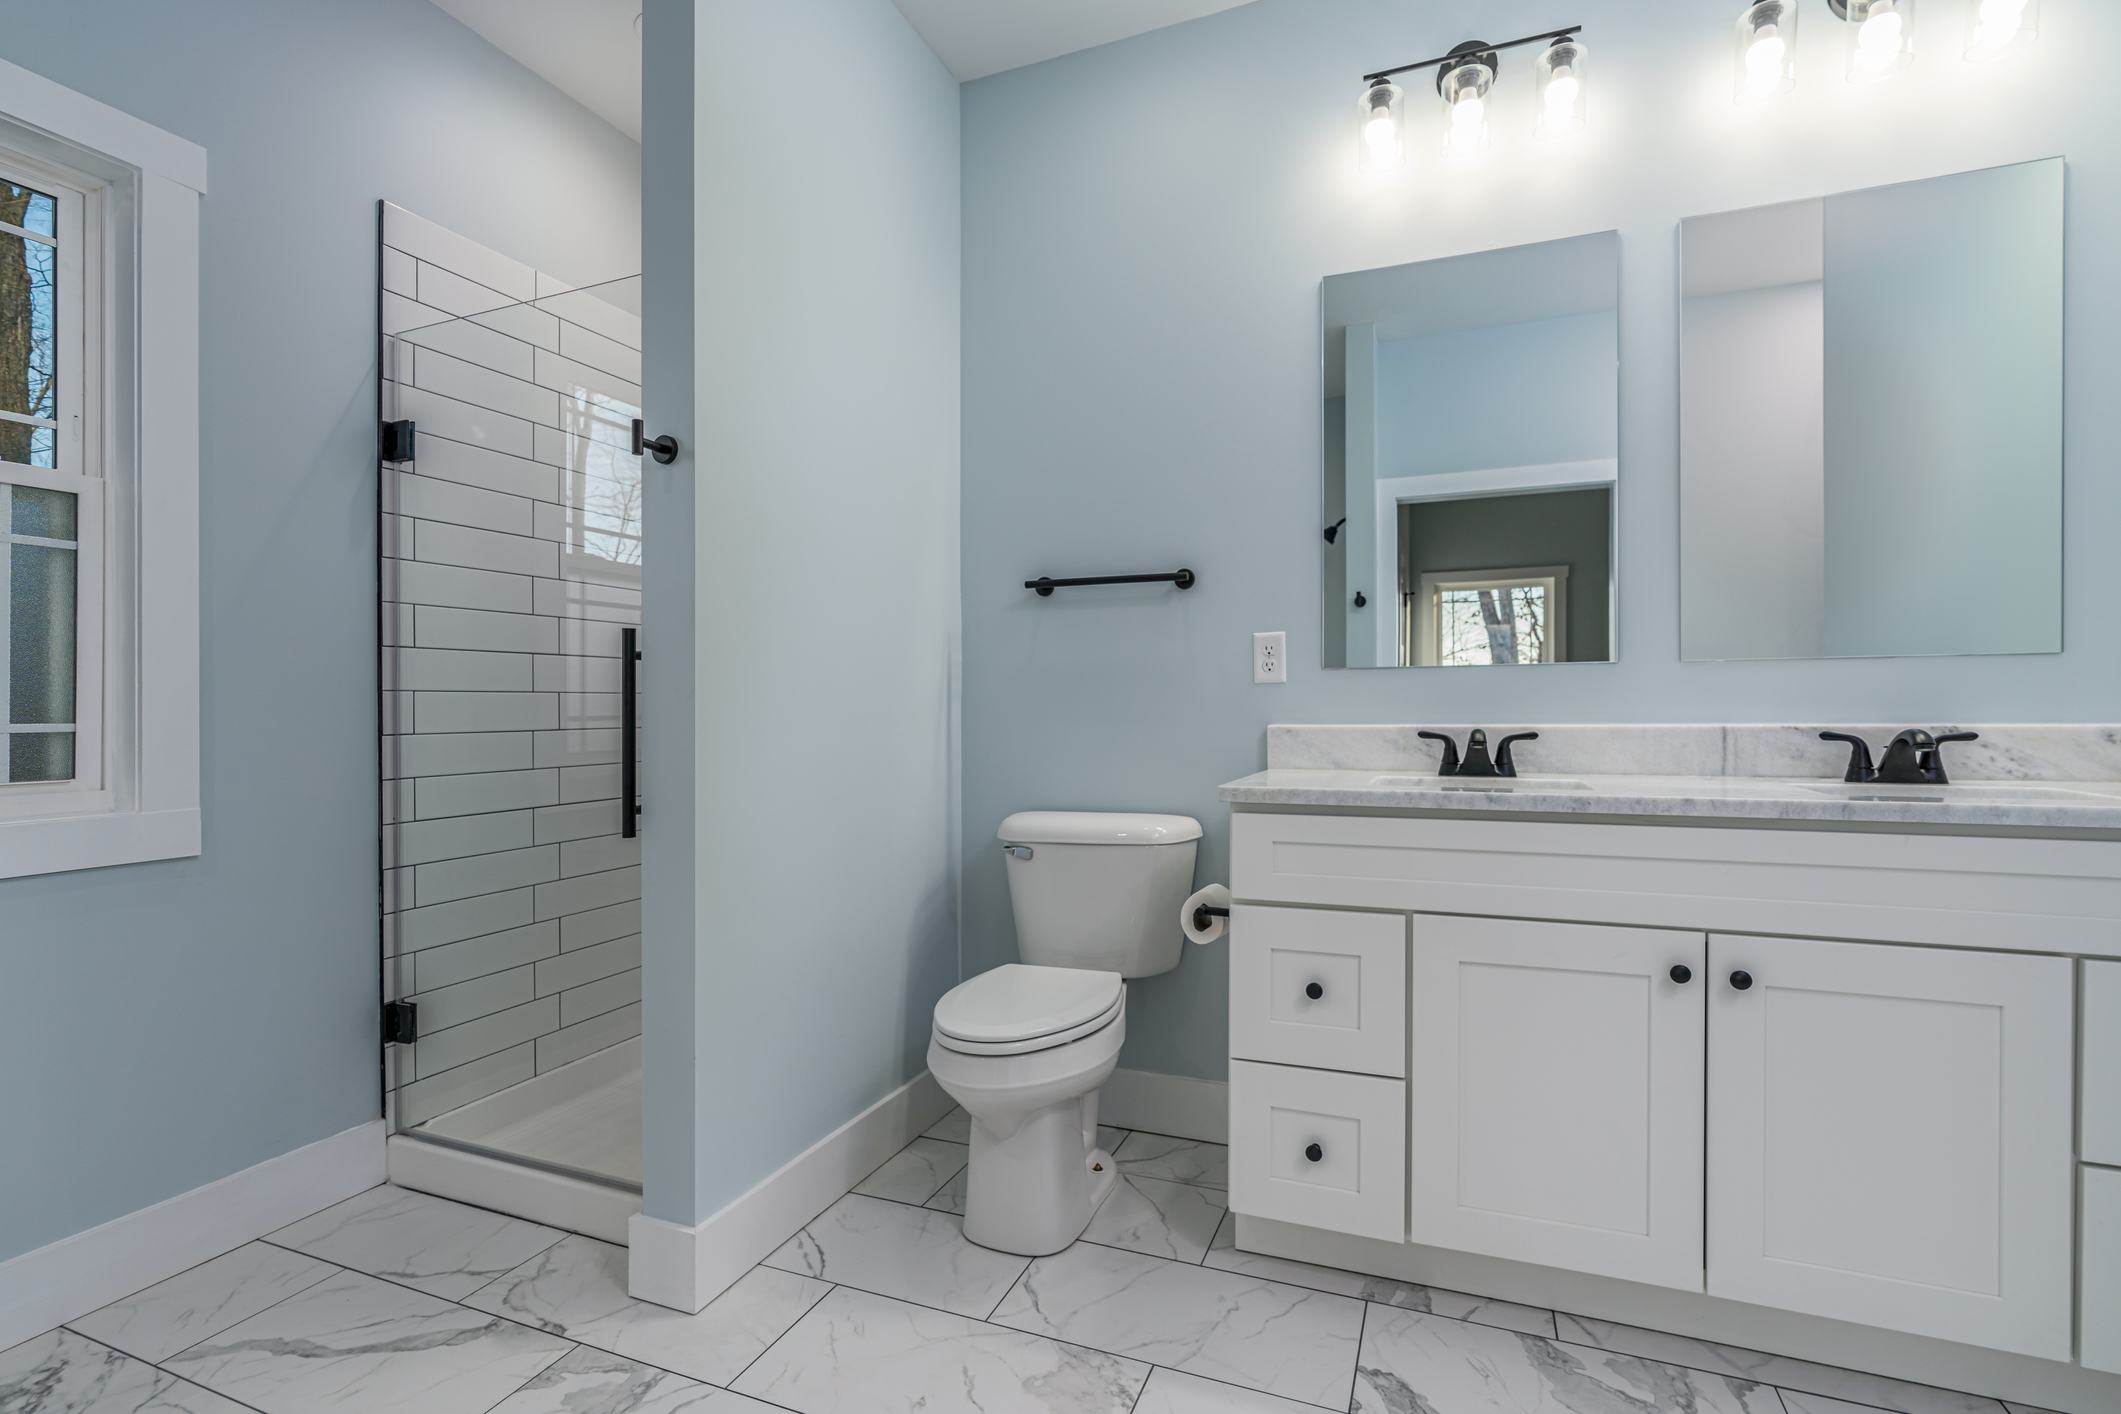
{"type": "Point", "coordinates": [1505, 784]}
{"type": "Point", "coordinates": [1999, 792]}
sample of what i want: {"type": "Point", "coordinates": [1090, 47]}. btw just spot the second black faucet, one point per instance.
{"type": "Point", "coordinates": [1476, 761]}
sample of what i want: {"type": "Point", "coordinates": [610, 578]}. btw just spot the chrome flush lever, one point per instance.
{"type": "Point", "coordinates": [1017, 851]}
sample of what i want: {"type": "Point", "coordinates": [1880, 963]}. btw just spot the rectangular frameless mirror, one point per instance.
{"type": "Point", "coordinates": [1871, 422]}
{"type": "Point", "coordinates": [1472, 414]}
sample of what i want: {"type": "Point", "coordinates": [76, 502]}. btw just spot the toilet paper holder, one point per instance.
{"type": "Point", "coordinates": [1202, 914]}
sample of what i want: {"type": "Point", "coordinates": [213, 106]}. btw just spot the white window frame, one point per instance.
{"type": "Point", "coordinates": [134, 460]}
{"type": "Point", "coordinates": [1428, 624]}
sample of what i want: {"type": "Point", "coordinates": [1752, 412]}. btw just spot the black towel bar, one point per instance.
{"type": "Point", "coordinates": [1045, 585]}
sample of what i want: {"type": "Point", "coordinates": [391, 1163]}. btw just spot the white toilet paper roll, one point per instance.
{"type": "Point", "coordinates": [1214, 896]}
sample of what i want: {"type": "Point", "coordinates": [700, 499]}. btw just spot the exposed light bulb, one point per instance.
{"type": "Point", "coordinates": [1763, 63]}
{"type": "Point", "coordinates": [1997, 23]}
{"type": "Point", "coordinates": [1878, 42]}
{"type": "Point", "coordinates": [1469, 126]}
{"type": "Point", "coordinates": [1380, 135]}
{"type": "Point", "coordinates": [1561, 92]}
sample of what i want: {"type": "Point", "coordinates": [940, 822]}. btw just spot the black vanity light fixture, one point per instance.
{"type": "Point", "coordinates": [1465, 81]}
{"type": "Point", "coordinates": [1880, 39]}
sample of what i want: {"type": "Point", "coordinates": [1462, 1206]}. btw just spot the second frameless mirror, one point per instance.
{"type": "Point", "coordinates": [1871, 422]}
{"type": "Point", "coordinates": [1472, 458]}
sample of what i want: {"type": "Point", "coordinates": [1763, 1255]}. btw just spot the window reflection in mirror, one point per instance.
{"type": "Point", "coordinates": [1871, 422]}
{"type": "Point", "coordinates": [1471, 459]}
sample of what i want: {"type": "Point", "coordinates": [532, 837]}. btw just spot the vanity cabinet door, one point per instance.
{"type": "Point", "coordinates": [1889, 1137]}
{"type": "Point", "coordinates": [1555, 1088]}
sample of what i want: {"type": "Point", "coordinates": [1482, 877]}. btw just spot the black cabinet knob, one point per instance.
{"type": "Point", "coordinates": [1742, 980]}
{"type": "Point", "coordinates": [1682, 974]}
{"type": "Point", "coordinates": [1314, 1153]}
{"type": "Point", "coordinates": [1314, 991]}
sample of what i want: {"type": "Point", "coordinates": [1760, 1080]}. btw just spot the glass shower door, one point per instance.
{"type": "Point", "coordinates": [509, 601]}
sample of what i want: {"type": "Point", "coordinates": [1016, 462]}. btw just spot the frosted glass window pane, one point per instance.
{"type": "Point", "coordinates": [47, 514]}
{"type": "Point", "coordinates": [40, 635]}
{"type": "Point", "coordinates": [40, 756]}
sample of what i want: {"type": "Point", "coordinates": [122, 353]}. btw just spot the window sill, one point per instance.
{"type": "Point", "coordinates": [61, 844]}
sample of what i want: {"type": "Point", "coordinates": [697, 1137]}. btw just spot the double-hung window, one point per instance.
{"type": "Point", "coordinates": [99, 483]}
{"type": "Point", "coordinates": [52, 530]}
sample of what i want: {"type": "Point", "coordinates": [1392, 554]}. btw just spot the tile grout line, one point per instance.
{"type": "Point", "coordinates": [1362, 1332]}
{"type": "Point", "coordinates": [767, 1349]}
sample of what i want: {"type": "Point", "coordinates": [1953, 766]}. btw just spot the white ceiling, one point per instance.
{"type": "Point", "coordinates": [589, 49]}
{"type": "Point", "coordinates": [980, 37]}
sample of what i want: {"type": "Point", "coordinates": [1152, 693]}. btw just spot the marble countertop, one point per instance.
{"type": "Point", "coordinates": [1981, 804]}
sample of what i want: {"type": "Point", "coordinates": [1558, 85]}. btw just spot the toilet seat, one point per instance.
{"type": "Point", "coordinates": [1016, 1009]}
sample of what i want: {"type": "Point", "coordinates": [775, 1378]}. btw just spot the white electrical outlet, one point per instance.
{"type": "Point", "coordinates": [1270, 657]}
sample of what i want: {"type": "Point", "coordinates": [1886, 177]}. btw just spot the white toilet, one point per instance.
{"type": "Point", "coordinates": [1024, 1047]}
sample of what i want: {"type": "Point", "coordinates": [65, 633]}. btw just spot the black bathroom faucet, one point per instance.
{"type": "Point", "coordinates": [1913, 758]}
{"type": "Point", "coordinates": [1476, 761]}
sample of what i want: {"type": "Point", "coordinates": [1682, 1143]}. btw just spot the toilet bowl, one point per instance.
{"type": "Point", "coordinates": [1035, 1173]}
{"type": "Point", "coordinates": [1025, 1046]}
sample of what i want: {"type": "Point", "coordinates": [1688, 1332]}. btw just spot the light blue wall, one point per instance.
{"type": "Point", "coordinates": [1145, 228]}
{"type": "Point", "coordinates": [823, 691]}
{"type": "Point", "coordinates": [168, 1024]}
{"type": "Point", "coordinates": [1524, 394]}
{"type": "Point", "coordinates": [670, 901]}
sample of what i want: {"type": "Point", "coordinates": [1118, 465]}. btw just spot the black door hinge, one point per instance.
{"type": "Point", "coordinates": [398, 440]}
{"type": "Point", "coordinates": [401, 1022]}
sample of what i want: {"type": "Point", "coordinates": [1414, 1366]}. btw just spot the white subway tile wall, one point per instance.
{"type": "Point", "coordinates": [512, 902]}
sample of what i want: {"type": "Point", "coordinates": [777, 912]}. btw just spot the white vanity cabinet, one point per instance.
{"type": "Point", "coordinates": [1889, 1137]}
{"type": "Point", "coordinates": [1764, 1066]}
{"type": "Point", "coordinates": [1555, 1094]}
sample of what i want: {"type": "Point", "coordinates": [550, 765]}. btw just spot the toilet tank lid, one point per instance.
{"type": "Point", "coordinates": [1099, 827]}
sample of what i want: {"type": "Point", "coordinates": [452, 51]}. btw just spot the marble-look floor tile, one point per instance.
{"type": "Point", "coordinates": [1878, 1391]}
{"type": "Point", "coordinates": [1145, 1155]}
{"type": "Point", "coordinates": [1173, 1220]}
{"type": "Point", "coordinates": [893, 1250]}
{"type": "Point", "coordinates": [1224, 1255]}
{"type": "Point", "coordinates": [207, 1299]}
{"type": "Point", "coordinates": [1264, 1335]}
{"type": "Point", "coordinates": [442, 1248]}
{"type": "Point", "coordinates": [1415, 1363]}
{"type": "Point", "coordinates": [914, 1173]}
{"type": "Point", "coordinates": [356, 1343]}
{"type": "Point", "coordinates": [861, 1354]}
{"type": "Point", "coordinates": [950, 1198]}
{"type": "Point", "coordinates": [63, 1373]}
{"type": "Point", "coordinates": [577, 1288]}
{"type": "Point", "coordinates": [1794, 1402]}
{"type": "Point", "coordinates": [1110, 1138]}
{"type": "Point", "coordinates": [597, 1382]}
{"type": "Point", "coordinates": [1170, 1392]}
{"type": "Point", "coordinates": [955, 1126]}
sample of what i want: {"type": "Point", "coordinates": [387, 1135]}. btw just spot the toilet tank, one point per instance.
{"type": "Point", "coordinates": [1099, 891]}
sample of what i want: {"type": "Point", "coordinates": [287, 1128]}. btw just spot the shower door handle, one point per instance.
{"type": "Point", "coordinates": [629, 733]}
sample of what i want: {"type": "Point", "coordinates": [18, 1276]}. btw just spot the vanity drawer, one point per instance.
{"type": "Point", "coordinates": [2099, 1268]}
{"type": "Point", "coordinates": [1319, 988]}
{"type": "Point", "coordinates": [1319, 1148]}
{"type": "Point", "coordinates": [2099, 1128]}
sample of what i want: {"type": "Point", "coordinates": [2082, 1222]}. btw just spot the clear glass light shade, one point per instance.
{"type": "Point", "coordinates": [1465, 109]}
{"type": "Point", "coordinates": [1560, 85]}
{"type": "Point", "coordinates": [1381, 116]}
{"type": "Point", "coordinates": [1767, 50]}
{"type": "Point", "coordinates": [1881, 37]}
{"type": "Point", "coordinates": [1995, 28]}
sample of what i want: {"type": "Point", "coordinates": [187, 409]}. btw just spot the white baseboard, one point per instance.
{"type": "Point", "coordinates": [78, 1274]}
{"type": "Point", "coordinates": [1166, 1104]}
{"type": "Point", "coordinates": [519, 1190]}
{"type": "Point", "coordinates": [686, 1267]}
